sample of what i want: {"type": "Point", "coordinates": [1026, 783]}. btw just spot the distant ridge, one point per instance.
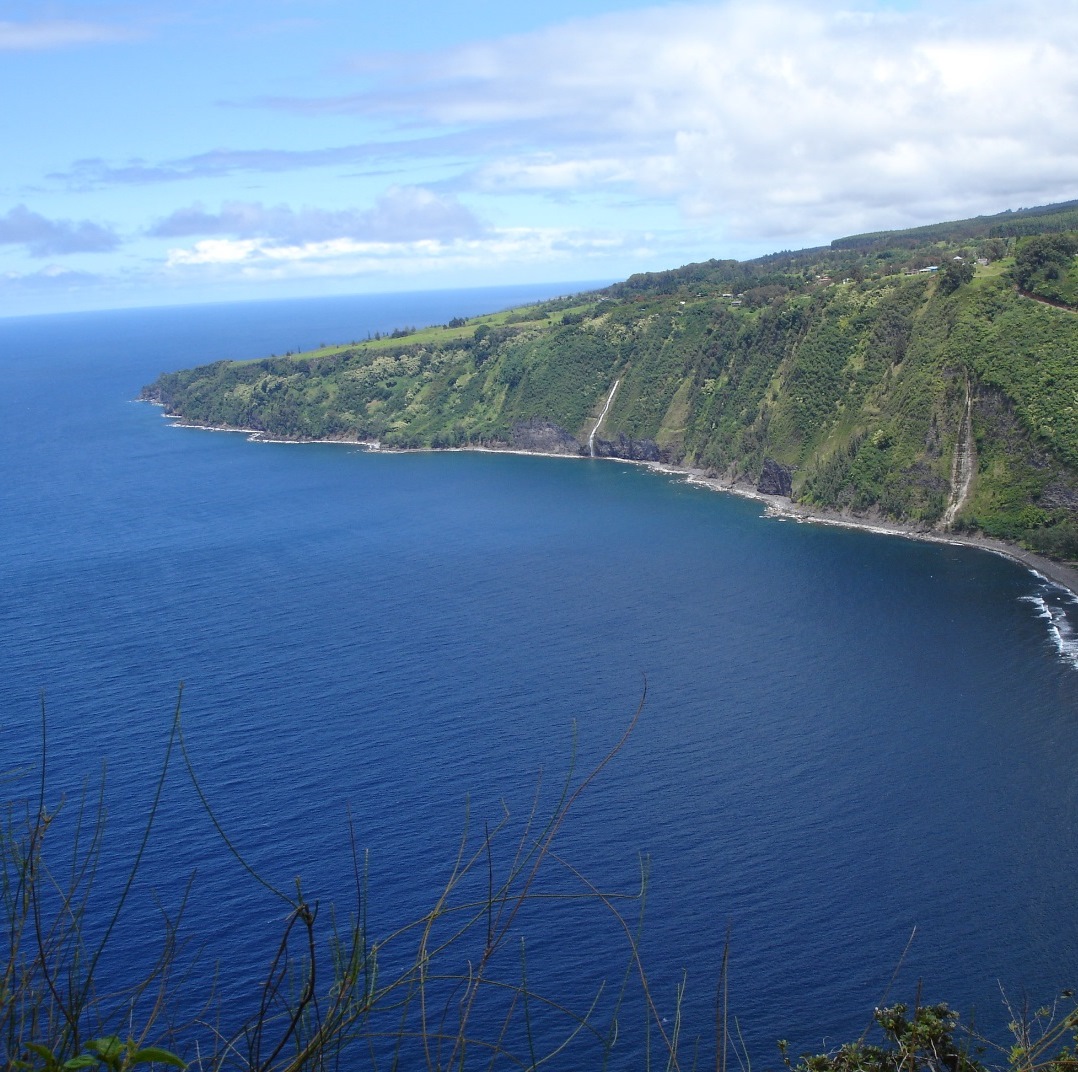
{"type": "Point", "coordinates": [1012, 223]}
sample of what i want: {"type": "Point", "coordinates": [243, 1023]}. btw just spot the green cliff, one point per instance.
{"type": "Point", "coordinates": [928, 375]}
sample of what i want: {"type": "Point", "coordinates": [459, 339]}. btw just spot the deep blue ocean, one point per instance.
{"type": "Point", "coordinates": [847, 739]}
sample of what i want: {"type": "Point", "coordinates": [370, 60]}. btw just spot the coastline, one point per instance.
{"type": "Point", "coordinates": [780, 506]}
{"type": "Point", "coordinates": [777, 506]}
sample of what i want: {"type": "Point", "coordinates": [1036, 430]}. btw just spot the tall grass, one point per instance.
{"type": "Point", "coordinates": [451, 989]}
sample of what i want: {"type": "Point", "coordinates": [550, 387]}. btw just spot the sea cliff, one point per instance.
{"type": "Point", "coordinates": [924, 381]}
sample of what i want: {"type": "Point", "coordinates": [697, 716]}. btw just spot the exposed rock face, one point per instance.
{"type": "Point", "coordinates": [544, 437]}
{"type": "Point", "coordinates": [636, 450]}
{"type": "Point", "coordinates": [774, 479]}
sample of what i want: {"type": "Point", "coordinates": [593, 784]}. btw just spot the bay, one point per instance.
{"type": "Point", "coordinates": [846, 739]}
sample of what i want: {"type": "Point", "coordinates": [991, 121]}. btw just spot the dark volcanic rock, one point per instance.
{"type": "Point", "coordinates": [774, 479]}
{"type": "Point", "coordinates": [634, 450]}
{"type": "Point", "coordinates": [544, 437]}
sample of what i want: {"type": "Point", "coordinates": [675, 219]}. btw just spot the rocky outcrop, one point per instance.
{"type": "Point", "coordinates": [544, 437]}
{"type": "Point", "coordinates": [633, 450]}
{"type": "Point", "coordinates": [774, 479]}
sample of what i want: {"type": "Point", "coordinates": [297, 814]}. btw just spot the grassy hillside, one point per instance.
{"type": "Point", "coordinates": [875, 375]}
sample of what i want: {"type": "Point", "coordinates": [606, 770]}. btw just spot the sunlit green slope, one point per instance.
{"type": "Point", "coordinates": [927, 375]}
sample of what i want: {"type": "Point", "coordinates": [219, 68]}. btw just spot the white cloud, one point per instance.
{"type": "Point", "coordinates": [548, 172]}
{"type": "Point", "coordinates": [255, 259]}
{"type": "Point", "coordinates": [57, 33]}
{"type": "Point", "coordinates": [778, 117]}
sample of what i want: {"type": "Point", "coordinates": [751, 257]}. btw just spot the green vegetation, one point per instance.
{"type": "Point", "coordinates": [869, 370]}
{"type": "Point", "coordinates": [1045, 267]}
{"type": "Point", "coordinates": [931, 1041]}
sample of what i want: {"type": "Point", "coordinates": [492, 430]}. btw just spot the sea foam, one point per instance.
{"type": "Point", "coordinates": [1049, 606]}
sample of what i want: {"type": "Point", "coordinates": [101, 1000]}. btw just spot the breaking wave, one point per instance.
{"type": "Point", "coordinates": [1051, 605]}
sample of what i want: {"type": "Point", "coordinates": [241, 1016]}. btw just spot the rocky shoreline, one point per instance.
{"type": "Point", "coordinates": [543, 439]}
{"type": "Point", "coordinates": [782, 506]}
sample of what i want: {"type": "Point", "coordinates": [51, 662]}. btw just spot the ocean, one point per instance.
{"type": "Point", "coordinates": [855, 756]}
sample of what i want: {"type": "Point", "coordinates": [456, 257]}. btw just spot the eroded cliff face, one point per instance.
{"type": "Point", "coordinates": [634, 450]}
{"type": "Point", "coordinates": [774, 479]}
{"type": "Point", "coordinates": [543, 437]}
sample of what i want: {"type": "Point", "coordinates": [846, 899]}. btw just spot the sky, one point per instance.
{"type": "Point", "coordinates": [187, 152]}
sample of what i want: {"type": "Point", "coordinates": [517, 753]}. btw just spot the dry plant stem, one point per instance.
{"type": "Point", "coordinates": [544, 848]}
{"type": "Point", "coordinates": [633, 962]}
{"type": "Point", "coordinates": [65, 936]}
{"type": "Point", "coordinates": [722, 1006]}
{"type": "Point", "coordinates": [206, 806]}
{"type": "Point", "coordinates": [277, 977]}
{"type": "Point", "coordinates": [744, 1063]}
{"type": "Point", "coordinates": [497, 919]}
{"type": "Point", "coordinates": [49, 1002]}
{"type": "Point", "coordinates": [295, 1026]}
{"type": "Point", "coordinates": [496, 912]}
{"type": "Point", "coordinates": [891, 983]}
{"type": "Point", "coordinates": [669, 1041]}
{"type": "Point", "coordinates": [1038, 1036]}
{"type": "Point", "coordinates": [37, 835]}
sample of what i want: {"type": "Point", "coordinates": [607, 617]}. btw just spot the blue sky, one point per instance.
{"type": "Point", "coordinates": [192, 152]}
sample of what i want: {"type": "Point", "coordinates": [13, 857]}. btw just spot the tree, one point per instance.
{"type": "Point", "coordinates": [1044, 257]}
{"type": "Point", "coordinates": [954, 275]}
